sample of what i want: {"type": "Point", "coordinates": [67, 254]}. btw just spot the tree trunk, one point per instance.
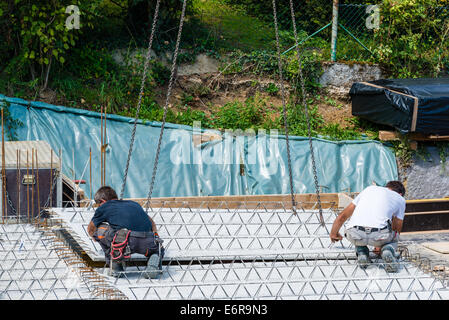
{"type": "Point", "coordinates": [47, 73]}
{"type": "Point", "coordinates": [32, 71]}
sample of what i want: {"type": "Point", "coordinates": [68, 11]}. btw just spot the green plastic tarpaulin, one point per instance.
{"type": "Point", "coordinates": [233, 164]}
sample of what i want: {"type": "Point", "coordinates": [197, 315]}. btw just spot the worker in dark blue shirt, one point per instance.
{"type": "Point", "coordinates": [122, 227]}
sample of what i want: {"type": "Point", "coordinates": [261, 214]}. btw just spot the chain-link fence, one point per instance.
{"type": "Point", "coordinates": [356, 25]}
{"type": "Point", "coordinates": [356, 32]}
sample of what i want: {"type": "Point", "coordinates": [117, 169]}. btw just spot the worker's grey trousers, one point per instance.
{"type": "Point", "coordinates": [378, 238]}
{"type": "Point", "coordinates": [146, 245]}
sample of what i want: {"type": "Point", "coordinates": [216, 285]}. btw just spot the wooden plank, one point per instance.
{"type": "Point", "coordinates": [279, 201]}
{"type": "Point", "coordinates": [440, 247]}
{"type": "Point", "coordinates": [389, 135]}
{"type": "Point", "coordinates": [385, 135]}
{"type": "Point", "coordinates": [424, 201]}
{"type": "Point", "coordinates": [426, 212]}
{"type": "Point", "coordinates": [425, 232]}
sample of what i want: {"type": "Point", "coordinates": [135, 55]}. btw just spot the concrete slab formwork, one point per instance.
{"type": "Point", "coordinates": [36, 265]}
{"type": "Point", "coordinates": [255, 252]}
{"type": "Point", "coordinates": [226, 231]}
{"type": "Point", "coordinates": [30, 268]}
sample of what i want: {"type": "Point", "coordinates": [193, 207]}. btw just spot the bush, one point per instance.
{"type": "Point", "coordinates": [263, 62]}
{"type": "Point", "coordinates": [413, 38]}
{"type": "Point", "coordinates": [297, 120]}
{"type": "Point", "coordinates": [240, 115]}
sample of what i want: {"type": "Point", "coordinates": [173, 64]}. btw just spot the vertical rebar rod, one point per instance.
{"type": "Point", "coordinates": [104, 148]}
{"type": "Point", "coordinates": [101, 146]}
{"type": "Point", "coordinates": [27, 185]}
{"type": "Point", "coordinates": [75, 189]}
{"type": "Point", "coordinates": [32, 185]}
{"type": "Point", "coordinates": [4, 212]}
{"type": "Point", "coordinates": [59, 194]}
{"type": "Point", "coordinates": [51, 178]}
{"type": "Point", "coordinates": [18, 183]}
{"type": "Point", "coordinates": [37, 186]}
{"type": "Point", "coordinates": [90, 172]}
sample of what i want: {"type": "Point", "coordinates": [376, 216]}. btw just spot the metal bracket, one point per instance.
{"type": "Point", "coordinates": [29, 179]}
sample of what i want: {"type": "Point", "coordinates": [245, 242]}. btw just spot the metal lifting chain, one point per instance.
{"type": "Point", "coordinates": [170, 85]}
{"type": "Point", "coordinates": [283, 107]}
{"type": "Point", "coordinates": [139, 102]}
{"type": "Point", "coordinates": [304, 103]}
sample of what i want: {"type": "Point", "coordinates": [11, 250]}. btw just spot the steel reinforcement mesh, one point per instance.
{"type": "Point", "coordinates": [257, 252]}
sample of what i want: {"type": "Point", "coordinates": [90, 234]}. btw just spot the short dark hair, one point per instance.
{"type": "Point", "coordinates": [396, 186]}
{"type": "Point", "coordinates": [105, 193]}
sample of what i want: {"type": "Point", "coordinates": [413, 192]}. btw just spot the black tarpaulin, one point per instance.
{"type": "Point", "coordinates": [409, 105]}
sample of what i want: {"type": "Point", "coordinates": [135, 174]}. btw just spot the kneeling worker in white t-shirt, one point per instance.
{"type": "Point", "coordinates": [376, 217]}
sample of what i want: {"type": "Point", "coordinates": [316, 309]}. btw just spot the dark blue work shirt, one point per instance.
{"type": "Point", "coordinates": [122, 214]}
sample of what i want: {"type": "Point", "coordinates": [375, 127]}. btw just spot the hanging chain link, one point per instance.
{"type": "Point", "coordinates": [284, 108]}
{"type": "Point", "coordinates": [304, 103]}
{"type": "Point", "coordinates": [170, 85]}
{"type": "Point", "coordinates": [139, 102]}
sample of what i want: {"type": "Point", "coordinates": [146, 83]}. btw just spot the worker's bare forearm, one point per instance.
{"type": "Point", "coordinates": [337, 224]}
{"type": "Point", "coordinates": [341, 218]}
{"type": "Point", "coordinates": [397, 225]}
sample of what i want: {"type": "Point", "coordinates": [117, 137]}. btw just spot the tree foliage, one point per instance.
{"type": "Point", "coordinates": [413, 38]}
{"type": "Point", "coordinates": [36, 35]}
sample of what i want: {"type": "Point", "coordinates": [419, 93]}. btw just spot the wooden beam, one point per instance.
{"type": "Point", "coordinates": [276, 201]}
{"type": "Point", "coordinates": [413, 136]}
{"type": "Point", "coordinates": [388, 135]}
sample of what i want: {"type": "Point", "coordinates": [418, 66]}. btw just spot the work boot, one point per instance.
{"type": "Point", "coordinates": [363, 259]}
{"type": "Point", "coordinates": [117, 269]}
{"type": "Point", "coordinates": [388, 256]}
{"type": "Point", "coordinates": [154, 267]}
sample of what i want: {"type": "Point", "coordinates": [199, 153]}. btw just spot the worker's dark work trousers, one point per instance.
{"type": "Point", "coordinates": [139, 242]}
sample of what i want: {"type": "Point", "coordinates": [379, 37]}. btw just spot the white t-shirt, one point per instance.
{"type": "Point", "coordinates": [374, 206]}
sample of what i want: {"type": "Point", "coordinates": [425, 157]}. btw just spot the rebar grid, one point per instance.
{"type": "Point", "coordinates": [212, 255]}
{"type": "Point", "coordinates": [30, 269]}
{"type": "Point", "coordinates": [254, 229]}
{"type": "Point", "coordinates": [435, 269]}
{"type": "Point", "coordinates": [301, 278]}
{"type": "Point", "coordinates": [37, 265]}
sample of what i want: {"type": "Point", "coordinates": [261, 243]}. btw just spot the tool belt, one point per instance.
{"type": "Point", "coordinates": [366, 229]}
{"type": "Point", "coordinates": [120, 249]}
{"type": "Point", "coordinates": [122, 242]}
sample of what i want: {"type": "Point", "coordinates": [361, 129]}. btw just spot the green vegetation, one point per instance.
{"type": "Point", "coordinates": [40, 57]}
{"type": "Point", "coordinates": [414, 38]}
{"type": "Point", "coordinates": [235, 28]}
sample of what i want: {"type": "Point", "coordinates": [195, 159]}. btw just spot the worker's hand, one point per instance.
{"type": "Point", "coordinates": [336, 237]}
